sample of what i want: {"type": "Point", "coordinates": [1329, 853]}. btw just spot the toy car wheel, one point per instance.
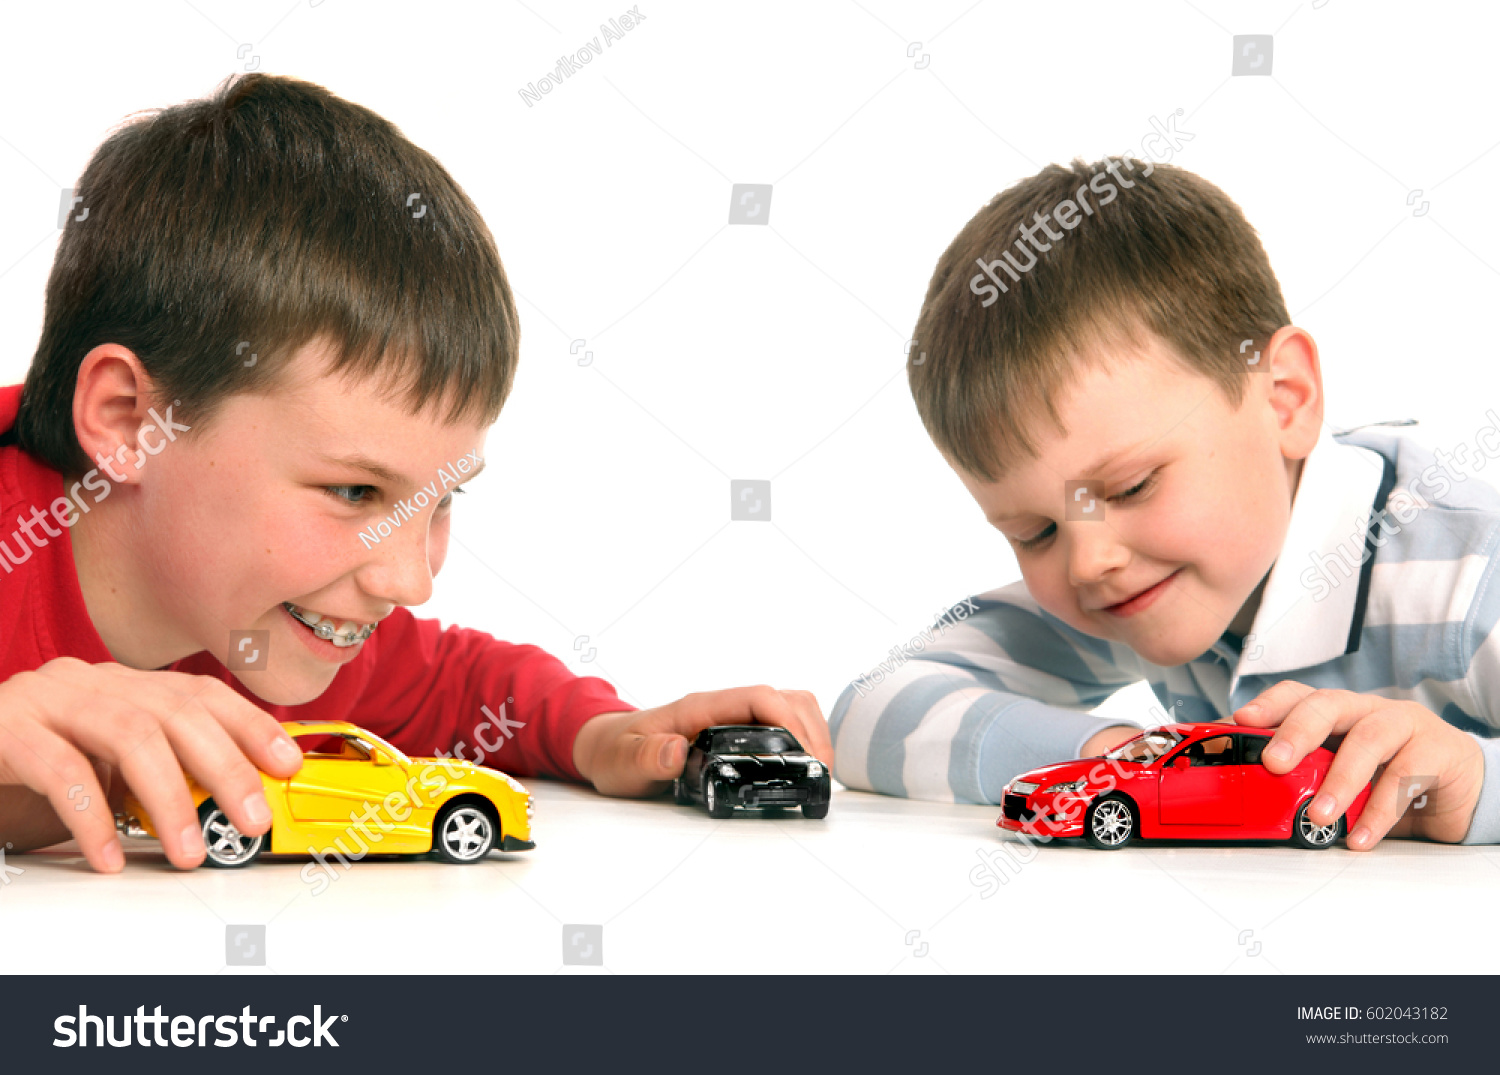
{"type": "Point", "coordinates": [713, 798]}
{"type": "Point", "coordinates": [464, 833]}
{"type": "Point", "coordinates": [815, 810]}
{"type": "Point", "coordinates": [1110, 822]}
{"type": "Point", "coordinates": [227, 846]}
{"type": "Point", "coordinates": [1308, 834]}
{"type": "Point", "coordinates": [680, 792]}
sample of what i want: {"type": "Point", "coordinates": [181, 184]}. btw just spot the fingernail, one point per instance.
{"type": "Point", "coordinates": [113, 855]}
{"type": "Point", "coordinates": [1279, 751]}
{"type": "Point", "coordinates": [256, 808]}
{"type": "Point", "coordinates": [1359, 837]}
{"type": "Point", "coordinates": [1323, 805]}
{"type": "Point", "coordinates": [192, 840]}
{"type": "Point", "coordinates": [284, 750]}
{"type": "Point", "coordinates": [668, 749]}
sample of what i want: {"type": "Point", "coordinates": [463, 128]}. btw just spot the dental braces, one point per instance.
{"type": "Point", "coordinates": [324, 629]}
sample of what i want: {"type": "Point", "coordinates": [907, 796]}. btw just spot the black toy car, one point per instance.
{"type": "Point", "coordinates": [751, 765]}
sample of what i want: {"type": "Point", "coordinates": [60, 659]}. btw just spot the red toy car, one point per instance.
{"type": "Point", "coordinates": [1178, 781]}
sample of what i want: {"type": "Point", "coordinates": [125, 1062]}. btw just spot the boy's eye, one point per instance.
{"type": "Point", "coordinates": [447, 501]}
{"type": "Point", "coordinates": [1033, 542]}
{"type": "Point", "coordinates": [1133, 491]}
{"type": "Point", "coordinates": [350, 494]}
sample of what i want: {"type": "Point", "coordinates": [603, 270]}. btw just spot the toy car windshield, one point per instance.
{"type": "Point", "coordinates": [754, 742]}
{"type": "Point", "coordinates": [1146, 747]}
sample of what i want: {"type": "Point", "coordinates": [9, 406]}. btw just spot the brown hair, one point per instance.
{"type": "Point", "coordinates": [252, 222]}
{"type": "Point", "coordinates": [1170, 254]}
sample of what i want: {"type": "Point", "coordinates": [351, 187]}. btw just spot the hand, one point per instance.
{"type": "Point", "coordinates": [1381, 738]}
{"type": "Point", "coordinates": [61, 720]}
{"type": "Point", "coordinates": [635, 754]}
{"type": "Point", "coordinates": [1102, 742]}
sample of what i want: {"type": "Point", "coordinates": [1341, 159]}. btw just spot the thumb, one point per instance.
{"type": "Point", "coordinates": [661, 755]}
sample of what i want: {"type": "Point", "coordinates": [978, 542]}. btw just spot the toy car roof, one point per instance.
{"type": "Point", "coordinates": [331, 727]}
{"type": "Point", "coordinates": [747, 728]}
{"type": "Point", "coordinates": [1185, 729]}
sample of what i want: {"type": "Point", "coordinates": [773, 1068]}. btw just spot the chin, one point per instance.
{"type": "Point", "coordinates": [283, 687]}
{"type": "Point", "coordinates": [1169, 652]}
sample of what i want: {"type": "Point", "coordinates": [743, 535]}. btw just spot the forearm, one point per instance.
{"type": "Point", "coordinates": [940, 733]}
{"type": "Point", "coordinates": [1103, 742]}
{"type": "Point", "coordinates": [27, 820]}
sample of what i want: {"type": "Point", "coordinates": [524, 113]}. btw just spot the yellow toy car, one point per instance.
{"type": "Point", "coordinates": [353, 782]}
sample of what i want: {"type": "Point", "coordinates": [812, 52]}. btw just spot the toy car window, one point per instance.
{"type": "Point", "coordinates": [1251, 747]}
{"type": "Point", "coordinates": [1216, 751]}
{"type": "Point", "coordinates": [321, 746]}
{"type": "Point", "coordinates": [356, 749]}
{"type": "Point", "coordinates": [1146, 748]}
{"type": "Point", "coordinates": [754, 742]}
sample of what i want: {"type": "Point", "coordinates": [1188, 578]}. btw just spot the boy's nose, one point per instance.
{"type": "Point", "coordinates": [400, 573]}
{"type": "Point", "coordinates": [1094, 551]}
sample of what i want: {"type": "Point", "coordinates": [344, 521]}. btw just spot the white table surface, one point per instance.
{"type": "Point", "coordinates": [881, 885]}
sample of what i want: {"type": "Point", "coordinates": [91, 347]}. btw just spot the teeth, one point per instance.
{"type": "Point", "coordinates": [348, 633]}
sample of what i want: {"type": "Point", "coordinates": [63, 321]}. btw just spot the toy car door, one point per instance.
{"type": "Point", "coordinates": [1201, 784]}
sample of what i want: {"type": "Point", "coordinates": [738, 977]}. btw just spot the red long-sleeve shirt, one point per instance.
{"type": "Point", "coordinates": [414, 683]}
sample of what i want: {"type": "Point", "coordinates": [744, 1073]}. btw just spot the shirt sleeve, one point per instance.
{"type": "Point", "coordinates": [1481, 682]}
{"type": "Point", "coordinates": [998, 686]}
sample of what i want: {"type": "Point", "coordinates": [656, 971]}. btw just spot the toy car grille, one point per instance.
{"type": "Point", "coordinates": [777, 795]}
{"type": "Point", "coordinates": [1015, 808]}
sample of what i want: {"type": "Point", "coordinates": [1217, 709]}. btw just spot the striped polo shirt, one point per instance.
{"type": "Point", "coordinates": [1386, 585]}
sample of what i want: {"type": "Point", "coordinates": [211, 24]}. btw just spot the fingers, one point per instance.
{"type": "Point", "coordinates": [1306, 718]}
{"type": "Point", "coordinates": [1368, 745]}
{"type": "Point", "coordinates": [51, 766]}
{"type": "Point", "coordinates": [636, 765]}
{"type": "Point", "coordinates": [153, 726]}
{"type": "Point", "coordinates": [154, 747]}
{"type": "Point", "coordinates": [660, 757]}
{"type": "Point", "coordinates": [257, 734]}
{"type": "Point", "coordinates": [635, 754]}
{"type": "Point", "coordinates": [796, 711]}
{"type": "Point", "coordinates": [1268, 707]}
{"type": "Point", "coordinates": [137, 745]}
{"type": "Point", "coordinates": [809, 726]}
{"type": "Point", "coordinates": [1384, 807]}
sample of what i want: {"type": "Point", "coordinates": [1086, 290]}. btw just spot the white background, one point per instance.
{"type": "Point", "coordinates": [724, 352]}
{"type": "Point", "coordinates": [776, 352]}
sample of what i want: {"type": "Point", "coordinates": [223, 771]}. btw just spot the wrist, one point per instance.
{"type": "Point", "coordinates": [1101, 742]}
{"type": "Point", "coordinates": [590, 738]}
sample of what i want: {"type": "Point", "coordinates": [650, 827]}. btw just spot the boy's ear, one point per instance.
{"type": "Point", "coordinates": [111, 399]}
{"type": "Point", "coordinates": [1296, 390]}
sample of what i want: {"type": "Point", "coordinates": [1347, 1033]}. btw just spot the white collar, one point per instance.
{"type": "Point", "coordinates": [1330, 513]}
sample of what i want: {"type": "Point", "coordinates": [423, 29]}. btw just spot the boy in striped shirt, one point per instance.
{"type": "Point", "coordinates": [1105, 359]}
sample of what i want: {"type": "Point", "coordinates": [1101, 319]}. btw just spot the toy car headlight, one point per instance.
{"type": "Point", "coordinates": [814, 769]}
{"type": "Point", "coordinates": [729, 772]}
{"type": "Point", "coordinates": [530, 809]}
{"type": "Point", "coordinates": [1072, 785]}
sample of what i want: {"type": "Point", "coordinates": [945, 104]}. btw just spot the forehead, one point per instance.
{"type": "Point", "coordinates": [1112, 411]}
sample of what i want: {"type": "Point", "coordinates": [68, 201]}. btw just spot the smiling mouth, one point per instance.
{"type": "Point", "coordinates": [1132, 597]}
{"type": "Point", "coordinates": [343, 635]}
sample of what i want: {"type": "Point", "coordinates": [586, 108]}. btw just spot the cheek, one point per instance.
{"type": "Point", "coordinates": [1046, 579]}
{"type": "Point", "coordinates": [437, 544]}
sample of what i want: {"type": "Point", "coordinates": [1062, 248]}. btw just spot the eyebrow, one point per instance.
{"type": "Point", "coordinates": [1108, 459]}
{"type": "Point", "coordinates": [384, 473]}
